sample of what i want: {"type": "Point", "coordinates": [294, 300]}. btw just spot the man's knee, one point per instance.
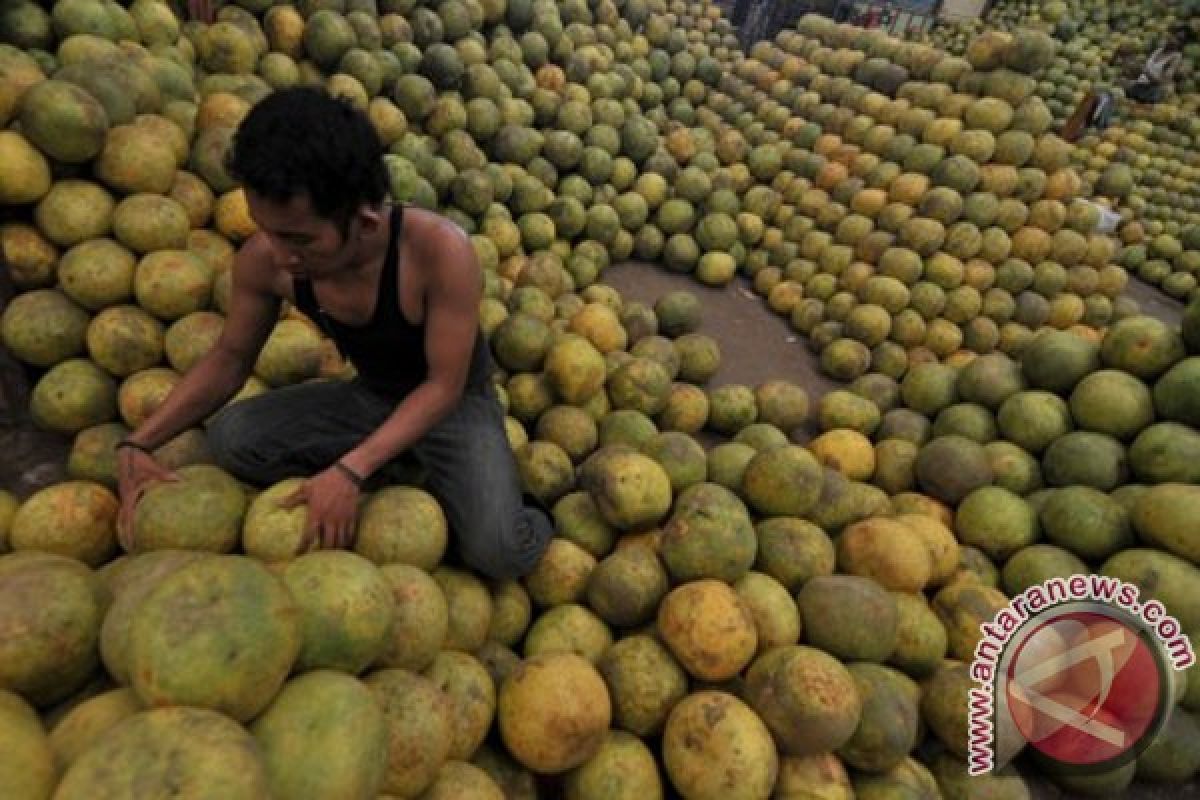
{"type": "Point", "coordinates": [227, 434]}
{"type": "Point", "coordinates": [507, 546]}
{"type": "Point", "coordinates": [234, 439]}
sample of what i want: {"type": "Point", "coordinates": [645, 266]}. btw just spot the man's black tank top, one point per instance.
{"type": "Point", "coordinates": [388, 352]}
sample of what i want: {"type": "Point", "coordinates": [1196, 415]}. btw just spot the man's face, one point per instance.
{"type": "Point", "coordinates": [305, 243]}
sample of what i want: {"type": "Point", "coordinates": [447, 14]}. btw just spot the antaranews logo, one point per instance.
{"type": "Point", "coordinates": [1079, 669]}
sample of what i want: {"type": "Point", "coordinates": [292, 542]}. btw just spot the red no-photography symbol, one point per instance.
{"type": "Point", "coordinates": [1084, 688]}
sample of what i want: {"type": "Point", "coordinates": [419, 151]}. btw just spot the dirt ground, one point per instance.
{"type": "Point", "coordinates": [756, 345]}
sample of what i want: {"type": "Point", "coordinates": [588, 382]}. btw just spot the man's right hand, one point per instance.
{"type": "Point", "coordinates": [137, 471]}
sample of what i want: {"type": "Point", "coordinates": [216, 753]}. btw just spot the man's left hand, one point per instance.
{"type": "Point", "coordinates": [332, 500]}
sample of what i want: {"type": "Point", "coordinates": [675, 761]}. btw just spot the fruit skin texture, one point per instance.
{"type": "Point", "coordinates": [190, 751]}
{"type": "Point", "coordinates": [709, 628]}
{"type": "Point", "coordinates": [806, 697]}
{"type": "Point", "coordinates": [323, 736]}
{"type": "Point", "coordinates": [50, 613]}
{"type": "Point", "coordinates": [221, 633]}
{"type": "Point", "coordinates": [64, 121]}
{"type": "Point", "coordinates": [554, 711]}
{"type": "Point", "coordinates": [996, 521]}
{"type": "Point", "coordinates": [624, 765]}
{"type": "Point", "coordinates": [89, 722]}
{"type": "Point", "coordinates": [850, 617]}
{"type": "Point", "coordinates": [26, 173]}
{"type": "Point", "coordinates": [950, 467]}
{"type": "Point", "coordinates": [715, 747]}
{"type": "Point", "coordinates": [346, 610]}
{"type": "Point", "coordinates": [419, 720]}
{"type": "Point", "coordinates": [27, 767]}
{"type": "Point", "coordinates": [1168, 516]}
{"type": "Point", "coordinates": [201, 511]}
{"type": "Point", "coordinates": [709, 535]}
{"type": "Point", "coordinates": [1142, 346]}
{"type": "Point", "coordinates": [74, 518]}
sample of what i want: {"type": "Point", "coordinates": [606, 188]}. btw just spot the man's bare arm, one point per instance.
{"type": "Point", "coordinates": [253, 311]}
{"type": "Point", "coordinates": [451, 326]}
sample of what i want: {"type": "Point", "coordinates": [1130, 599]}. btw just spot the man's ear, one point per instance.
{"type": "Point", "coordinates": [370, 218]}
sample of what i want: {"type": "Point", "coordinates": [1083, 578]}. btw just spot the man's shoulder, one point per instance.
{"type": "Point", "coordinates": [435, 238]}
{"type": "Point", "coordinates": [255, 265]}
{"type": "Point", "coordinates": [429, 227]}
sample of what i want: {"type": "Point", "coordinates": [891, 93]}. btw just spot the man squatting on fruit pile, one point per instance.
{"type": "Point", "coordinates": [398, 290]}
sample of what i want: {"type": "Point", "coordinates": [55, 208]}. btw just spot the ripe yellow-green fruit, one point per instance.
{"type": "Point", "coordinates": [323, 733]}
{"type": "Point", "coordinates": [232, 216]}
{"type": "Point", "coordinates": [247, 612]}
{"type": "Point", "coordinates": [63, 121]}
{"type": "Point", "coordinates": [43, 327]}
{"type": "Point", "coordinates": [709, 535]}
{"type": "Point", "coordinates": [849, 616]}
{"type": "Point", "coordinates": [271, 530]}
{"type": "Point", "coordinates": [31, 256]}
{"type": "Point", "coordinates": [346, 610]}
{"type": "Point", "coordinates": [847, 451]}
{"type": "Point", "coordinates": [626, 588]}
{"type": "Point", "coordinates": [97, 273]}
{"type": "Point", "coordinates": [419, 720]}
{"type": "Point", "coordinates": [1165, 516]}
{"type": "Point", "coordinates": [25, 175]}
{"type": "Point", "coordinates": [124, 340]}
{"type": "Point", "coordinates": [783, 482]}
{"type": "Point", "coordinates": [73, 395]}
{"type": "Point", "coordinates": [553, 712]}
{"type": "Point", "coordinates": [402, 525]}
{"type": "Point", "coordinates": [137, 576]}
{"type": "Point", "coordinates": [630, 490]}
{"type": "Point", "coordinates": [50, 613]}
{"type": "Point", "coordinates": [715, 746]}
{"type": "Point", "coordinates": [709, 628]}
{"type": "Point", "coordinates": [623, 764]}
{"type": "Point", "coordinates": [76, 519]}
{"type": "Point", "coordinates": [571, 628]}
{"type": "Point", "coordinates": [886, 551]}
{"type": "Point", "coordinates": [89, 722]}
{"type": "Point", "coordinates": [291, 354]}
{"type": "Point", "coordinates": [136, 158]}
{"type": "Point", "coordinates": [469, 605]}
{"type": "Point", "coordinates": [189, 750]}
{"type": "Point", "coordinates": [890, 721]}
{"type": "Point", "coordinates": [939, 541]}
{"type": "Point", "coordinates": [575, 369]}
{"type": "Point", "coordinates": [74, 211]}
{"type": "Point", "coordinates": [421, 620]}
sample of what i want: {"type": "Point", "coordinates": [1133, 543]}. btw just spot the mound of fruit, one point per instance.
{"type": "Point", "coordinates": [727, 610]}
{"type": "Point", "coordinates": [1146, 159]}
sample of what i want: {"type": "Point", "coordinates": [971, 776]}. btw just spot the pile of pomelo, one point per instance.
{"type": "Point", "coordinates": [1146, 160]}
{"type": "Point", "coordinates": [937, 213]}
{"type": "Point", "coordinates": [730, 608]}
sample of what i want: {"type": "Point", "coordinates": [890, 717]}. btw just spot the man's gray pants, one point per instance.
{"type": "Point", "coordinates": [300, 430]}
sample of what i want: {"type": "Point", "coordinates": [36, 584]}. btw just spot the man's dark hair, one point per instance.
{"type": "Point", "coordinates": [304, 140]}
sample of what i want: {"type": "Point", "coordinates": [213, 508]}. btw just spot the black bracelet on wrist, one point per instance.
{"type": "Point", "coordinates": [134, 445]}
{"type": "Point", "coordinates": [351, 475]}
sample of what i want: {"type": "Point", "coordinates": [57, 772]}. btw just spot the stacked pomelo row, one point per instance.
{"type": "Point", "coordinates": [1146, 158]}
{"type": "Point", "coordinates": [937, 212]}
{"type": "Point", "coordinates": [688, 622]}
